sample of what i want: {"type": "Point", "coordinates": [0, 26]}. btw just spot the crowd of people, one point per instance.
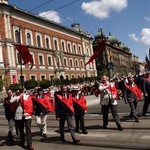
{"type": "Point", "coordinates": [68, 102]}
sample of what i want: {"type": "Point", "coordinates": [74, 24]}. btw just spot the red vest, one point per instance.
{"type": "Point", "coordinates": [135, 90]}
{"type": "Point", "coordinates": [27, 105]}
{"type": "Point", "coordinates": [81, 102]}
{"type": "Point", "coordinates": [68, 102]}
{"type": "Point", "coordinates": [46, 102]}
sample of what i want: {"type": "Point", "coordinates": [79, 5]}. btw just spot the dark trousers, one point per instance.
{"type": "Point", "coordinates": [114, 111]}
{"type": "Point", "coordinates": [79, 121]}
{"type": "Point", "coordinates": [146, 104]}
{"type": "Point", "coordinates": [27, 124]}
{"type": "Point", "coordinates": [70, 126]}
{"type": "Point", "coordinates": [133, 106]}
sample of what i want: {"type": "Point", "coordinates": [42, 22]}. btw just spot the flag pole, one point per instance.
{"type": "Point", "coordinates": [21, 77]}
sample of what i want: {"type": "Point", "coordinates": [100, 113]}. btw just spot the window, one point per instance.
{"type": "Point", "coordinates": [43, 77]}
{"type": "Point", "coordinates": [69, 48]}
{"type": "Point", "coordinates": [18, 58]}
{"type": "Point", "coordinates": [32, 77]}
{"type": "Point", "coordinates": [74, 48]}
{"type": "Point", "coordinates": [38, 41]}
{"type": "Point", "coordinates": [65, 62]}
{"type": "Point", "coordinates": [88, 53]}
{"type": "Point", "coordinates": [63, 46]}
{"type": "Point", "coordinates": [80, 50]}
{"type": "Point", "coordinates": [71, 64]}
{"type": "Point", "coordinates": [28, 39]}
{"type": "Point", "coordinates": [81, 62]}
{"type": "Point", "coordinates": [47, 43]}
{"type": "Point", "coordinates": [49, 61]}
{"type": "Point", "coordinates": [76, 63]}
{"type": "Point", "coordinates": [17, 36]}
{"type": "Point", "coordinates": [41, 60]}
{"type": "Point", "coordinates": [55, 44]}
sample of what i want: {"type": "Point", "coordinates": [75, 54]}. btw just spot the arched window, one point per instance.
{"type": "Point", "coordinates": [55, 44]}
{"type": "Point", "coordinates": [28, 39]}
{"type": "Point", "coordinates": [47, 43]}
{"type": "Point", "coordinates": [17, 36]}
{"type": "Point", "coordinates": [38, 41]}
{"type": "Point", "coordinates": [63, 46]}
{"type": "Point", "coordinates": [69, 48]}
{"type": "Point", "coordinates": [74, 48]}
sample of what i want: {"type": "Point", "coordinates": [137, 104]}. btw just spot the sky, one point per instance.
{"type": "Point", "coordinates": [127, 20]}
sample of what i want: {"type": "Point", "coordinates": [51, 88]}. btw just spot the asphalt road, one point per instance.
{"type": "Point", "coordinates": [135, 136]}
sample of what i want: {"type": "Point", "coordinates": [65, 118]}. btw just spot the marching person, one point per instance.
{"type": "Point", "coordinates": [131, 95]}
{"type": "Point", "coordinates": [64, 112]}
{"type": "Point", "coordinates": [23, 116]}
{"type": "Point", "coordinates": [146, 91]}
{"type": "Point", "coordinates": [80, 108]}
{"type": "Point", "coordinates": [10, 110]}
{"type": "Point", "coordinates": [108, 99]}
{"type": "Point", "coordinates": [43, 106]}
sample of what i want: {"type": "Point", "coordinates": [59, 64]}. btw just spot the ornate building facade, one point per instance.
{"type": "Point", "coordinates": [56, 50]}
{"type": "Point", "coordinates": [115, 57]}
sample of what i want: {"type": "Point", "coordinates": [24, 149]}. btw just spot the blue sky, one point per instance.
{"type": "Point", "coordinates": [128, 20]}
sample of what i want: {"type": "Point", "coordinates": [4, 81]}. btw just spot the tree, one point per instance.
{"type": "Point", "coordinates": [1, 84]}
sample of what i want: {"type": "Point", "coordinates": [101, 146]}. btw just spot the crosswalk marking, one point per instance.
{"type": "Point", "coordinates": [94, 135]}
{"type": "Point", "coordinates": [145, 137]}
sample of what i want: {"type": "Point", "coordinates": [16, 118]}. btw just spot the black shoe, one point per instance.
{"type": "Point", "coordinates": [44, 135]}
{"type": "Point", "coordinates": [137, 120]}
{"type": "Point", "coordinates": [84, 132]}
{"type": "Point", "coordinates": [76, 142]}
{"type": "Point", "coordinates": [77, 130]}
{"type": "Point", "coordinates": [120, 128]}
{"type": "Point", "coordinates": [144, 114]}
{"type": "Point", "coordinates": [63, 140]}
{"type": "Point", "coordinates": [104, 127]}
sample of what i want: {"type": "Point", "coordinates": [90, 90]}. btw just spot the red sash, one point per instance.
{"type": "Point", "coordinates": [135, 90]}
{"type": "Point", "coordinates": [81, 102]}
{"type": "Point", "coordinates": [67, 102]}
{"type": "Point", "coordinates": [46, 102]}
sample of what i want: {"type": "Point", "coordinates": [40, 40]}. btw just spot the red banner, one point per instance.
{"type": "Point", "coordinates": [24, 54]}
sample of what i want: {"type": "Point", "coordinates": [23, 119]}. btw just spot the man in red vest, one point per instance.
{"type": "Point", "coordinates": [80, 108]}
{"type": "Point", "coordinates": [43, 106]}
{"type": "Point", "coordinates": [23, 116]}
{"type": "Point", "coordinates": [131, 95]}
{"type": "Point", "coordinates": [64, 112]}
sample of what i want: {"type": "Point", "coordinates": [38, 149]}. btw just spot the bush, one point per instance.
{"type": "Point", "coordinates": [14, 87]}
{"type": "Point", "coordinates": [44, 84]}
{"type": "Point", "coordinates": [30, 84]}
{"type": "Point", "coordinates": [1, 84]}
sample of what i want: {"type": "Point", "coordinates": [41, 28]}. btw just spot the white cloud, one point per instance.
{"type": "Point", "coordinates": [102, 8]}
{"type": "Point", "coordinates": [51, 15]}
{"type": "Point", "coordinates": [144, 37]}
{"type": "Point", "coordinates": [147, 18]}
{"type": "Point", "coordinates": [133, 36]}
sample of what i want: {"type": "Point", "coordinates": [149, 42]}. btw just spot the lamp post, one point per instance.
{"type": "Point", "coordinates": [110, 66]}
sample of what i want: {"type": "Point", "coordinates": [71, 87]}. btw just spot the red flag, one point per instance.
{"type": "Point", "coordinates": [24, 54]}
{"type": "Point", "coordinates": [97, 51]}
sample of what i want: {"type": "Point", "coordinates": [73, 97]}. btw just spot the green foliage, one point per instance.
{"type": "Point", "coordinates": [44, 84]}
{"type": "Point", "coordinates": [65, 82]}
{"type": "Point", "coordinates": [14, 87]}
{"type": "Point", "coordinates": [1, 84]}
{"type": "Point", "coordinates": [56, 82]}
{"type": "Point", "coordinates": [30, 84]}
{"type": "Point", "coordinates": [74, 80]}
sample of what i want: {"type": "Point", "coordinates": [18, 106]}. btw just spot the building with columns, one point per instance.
{"type": "Point", "coordinates": [56, 50]}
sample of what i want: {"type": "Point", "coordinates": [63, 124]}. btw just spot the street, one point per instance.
{"type": "Point", "coordinates": [135, 136]}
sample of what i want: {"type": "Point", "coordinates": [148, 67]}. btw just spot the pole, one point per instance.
{"type": "Point", "coordinates": [21, 77]}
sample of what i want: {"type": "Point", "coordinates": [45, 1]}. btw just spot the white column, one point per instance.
{"type": "Point", "coordinates": [1, 56]}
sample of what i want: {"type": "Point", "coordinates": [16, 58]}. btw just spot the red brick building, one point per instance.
{"type": "Point", "coordinates": [56, 50]}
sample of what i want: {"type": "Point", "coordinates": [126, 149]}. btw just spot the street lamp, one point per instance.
{"type": "Point", "coordinates": [110, 66]}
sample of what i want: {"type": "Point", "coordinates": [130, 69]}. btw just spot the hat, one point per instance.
{"type": "Point", "coordinates": [75, 88]}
